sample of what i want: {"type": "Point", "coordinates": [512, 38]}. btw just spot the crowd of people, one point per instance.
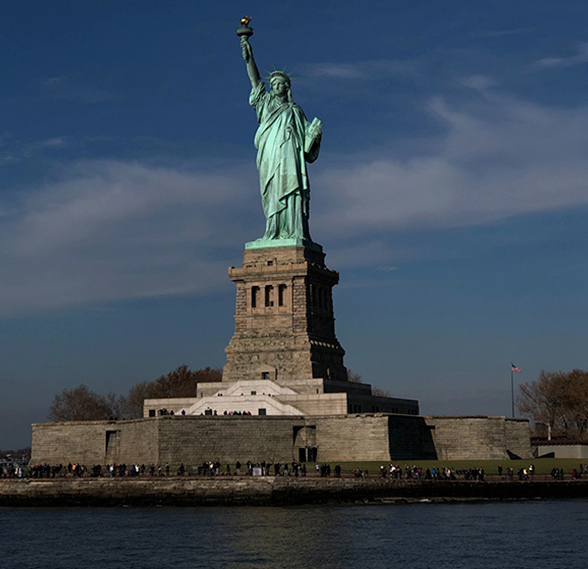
{"type": "Point", "coordinates": [207, 468]}
{"type": "Point", "coordinates": [576, 474]}
{"type": "Point", "coordinates": [263, 468]}
{"type": "Point", "coordinates": [57, 470]}
{"type": "Point", "coordinates": [11, 470]}
{"type": "Point", "coordinates": [446, 473]}
{"type": "Point", "coordinates": [418, 473]}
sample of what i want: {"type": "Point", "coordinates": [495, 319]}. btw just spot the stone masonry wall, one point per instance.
{"type": "Point", "coordinates": [410, 439]}
{"type": "Point", "coordinates": [476, 437]}
{"type": "Point", "coordinates": [63, 443]}
{"type": "Point", "coordinates": [139, 443]}
{"type": "Point", "coordinates": [86, 442]}
{"type": "Point", "coordinates": [315, 404]}
{"type": "Point", "coordinates": [284, 317]}
{"type": "Point", "coordinates": [194, 439]}
{"type": "Point", "coordinates": [518, 440]}
{"type": "Point", "coordinates": [352, 437]}
{"type": "Point", "coordinates": [338, 438]}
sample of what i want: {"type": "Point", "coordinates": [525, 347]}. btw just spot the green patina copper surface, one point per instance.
{"type": "Point", "coordinates": [285, 141]}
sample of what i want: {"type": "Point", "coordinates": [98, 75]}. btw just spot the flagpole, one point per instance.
{"type": "Point", "coordinates": [512, 391]}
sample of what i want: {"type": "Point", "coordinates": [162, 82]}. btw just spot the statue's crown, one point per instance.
{"type": "Point", "coordinates": [281, 74]}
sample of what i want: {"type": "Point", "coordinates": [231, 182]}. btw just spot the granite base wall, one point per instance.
{"type": "Point", "coordinates": [405, 434]}
{"type": "Point", "coordinates": [479, 437]}
{"type": "Point", "coordinates": [518, 438]}
{"type": "Point", "coordinates": [95, 442]}
{"type": "Point", "coordinates": [195, 439]}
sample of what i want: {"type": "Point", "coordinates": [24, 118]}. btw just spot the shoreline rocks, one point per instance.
{"type": "Point", "coordinates": [268, 491]}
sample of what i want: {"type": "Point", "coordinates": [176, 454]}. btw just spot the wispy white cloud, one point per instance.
{"type": "Point", "coordinates": [16, 151]}
{"type": "Point", "coordinates": [74, 88]}
{"type": "Point", "coordinates": [371, 69]}
{"type": "Point", "coordinates": [500, 158]}
{"type": "Point", "coordinates": [501, 33]}
{"type": "Point", "coordinates": [369, 253]}
{"type": "Point", "coordinates": [113, 230]}
{"type": "Point", "coordinates": [57, 141]}
{"type": "Point", "coordinates": [479, 82]}
{"type": "Point", "coordinates": [578, 58]}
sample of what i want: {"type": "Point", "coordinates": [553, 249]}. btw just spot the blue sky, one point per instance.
{"type": "Point", "coordinates": [451, 191]}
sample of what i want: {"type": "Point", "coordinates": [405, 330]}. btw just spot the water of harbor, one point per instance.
{"type": "Point", "coordinates": [520, 535]}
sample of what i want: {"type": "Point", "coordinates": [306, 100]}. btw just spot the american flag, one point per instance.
{"type": "Point", "coordinates": [515, 368]}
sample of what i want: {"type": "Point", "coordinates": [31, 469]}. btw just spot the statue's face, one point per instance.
{"type": "Point", "coordinates": [279, 86]}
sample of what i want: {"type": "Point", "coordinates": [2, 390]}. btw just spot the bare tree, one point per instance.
{"type": "Point", "coordinates": [559, 400]}
{"type": "Point", "coordinates": [181, 382]}
{"type": "Point", "coordinates": [357, 378]}
{"type": "Point", "coordinates": [576, 403]}
{"type": "Point", "coordinates": [353, 377]}
{"type": "Point", "coordinates": [81, 404]}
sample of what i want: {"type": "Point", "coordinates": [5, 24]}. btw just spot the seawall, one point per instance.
{"type": "Point", "coordinates": [266, 491]}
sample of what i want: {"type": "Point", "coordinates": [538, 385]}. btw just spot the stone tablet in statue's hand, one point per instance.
{"type": "Point", "coordinates": [314, 134]}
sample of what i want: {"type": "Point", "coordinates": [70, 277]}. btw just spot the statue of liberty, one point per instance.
{"type": "Point", "coordinates": [285, 142]}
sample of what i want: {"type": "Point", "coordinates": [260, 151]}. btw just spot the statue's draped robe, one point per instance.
{"type": "Point", "coordinates": [281, 161]}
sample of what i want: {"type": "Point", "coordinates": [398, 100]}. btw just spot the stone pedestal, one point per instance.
{"type": "Point", "coordinates": [284, 321]}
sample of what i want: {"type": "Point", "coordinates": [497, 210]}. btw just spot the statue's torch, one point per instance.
{"type": "Point", "coordinates": [244, 31]}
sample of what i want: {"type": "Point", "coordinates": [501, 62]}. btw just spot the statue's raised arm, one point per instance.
{"type": "Point", "coordinates": [245, 32]}
{"type": "Point", "coordinates": [252, 70]}
{"type": "Point", "coordinates": [285, 142]}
